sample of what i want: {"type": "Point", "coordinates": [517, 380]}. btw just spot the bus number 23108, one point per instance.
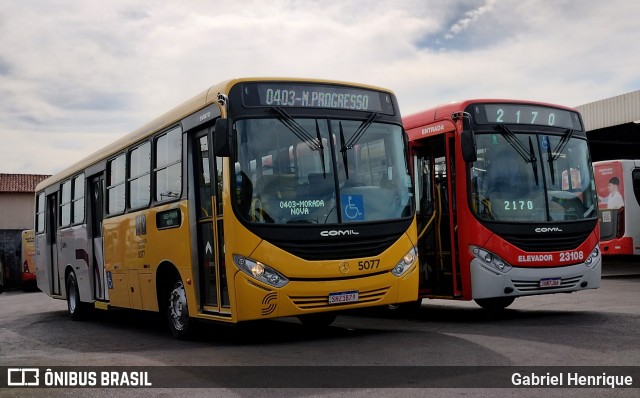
{"type": "Point", "coordinates": [571, 256]}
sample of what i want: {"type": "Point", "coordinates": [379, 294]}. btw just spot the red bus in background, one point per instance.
{"type": "Point", "coordinates": [27, 258]}
{"type": "Point", "coordinates": [506, 201]}
{"type": "Point", "coordinates": [618, 185]}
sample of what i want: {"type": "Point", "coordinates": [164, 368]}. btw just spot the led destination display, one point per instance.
{"type": "Point", "coordinates": [316, 96]}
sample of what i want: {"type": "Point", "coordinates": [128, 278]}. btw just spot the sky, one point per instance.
{"type": "Point", "coordinates": [77, 75]}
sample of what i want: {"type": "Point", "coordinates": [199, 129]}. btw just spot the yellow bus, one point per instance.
{"type": "Point", "coordinates": [258, 198]}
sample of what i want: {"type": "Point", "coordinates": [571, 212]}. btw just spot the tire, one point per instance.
{"type": "Point", "coordinates": [180, 324]}
{"type": "Point", "coordinates": [409, 308]}
{"type": "Point", "coordinates": [30, 286]}
{"type": "Point", "coordinates": [76, 309]}
{"type": "Point", "coordinates": [318, 321]}
{"type": "Point", "coordinates": [495, 303]}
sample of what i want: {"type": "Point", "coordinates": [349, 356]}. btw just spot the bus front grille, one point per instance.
{"type": "Point", "coordinates": [320, 302]}
{"type": "Point", "coordinates": [537, 243]}
{"type": "Point", "coordinates": [534, 286]}
{"type": "Point", "coordinates": [337, 249]}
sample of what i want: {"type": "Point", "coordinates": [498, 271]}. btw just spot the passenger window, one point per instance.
{"type": "Point", "coordinates": [140, 176]}
{"type": "Point", "coordinates": [40, 213]}
{"type": "Point", "coordinates": [78, 199]}
{"type": "Point", "coordinates": [115, 185]}
{"type": "Point", "coordinates": [635, 177]}
{"type": "Point", "coordinates": [168, 168]}
{"type": "Point", "coordinates": [65, 204]}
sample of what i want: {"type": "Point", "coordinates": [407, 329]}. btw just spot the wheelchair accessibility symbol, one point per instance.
{"type": "Point", "coordinates": [353, 207]}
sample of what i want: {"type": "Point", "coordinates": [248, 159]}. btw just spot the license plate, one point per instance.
{"type": "Point", "coordinates": [550, 282]}
{"type": "Point", "coordinates": [343, 297]}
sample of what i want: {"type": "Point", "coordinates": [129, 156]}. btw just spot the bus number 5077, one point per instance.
{"type": "Point", "coordinates": [368, 264]}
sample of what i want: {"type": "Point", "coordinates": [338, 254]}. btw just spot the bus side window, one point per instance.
{"type": "Point", "coordinates": [115, 185]}
{"type": "Point", "coordinates": [218, 188]}
{"type": "Point", "coordinates": [204, 177]}
{"type": "Point", "coordinates": [635, 180]}
{"type": "Point", "coordinates": [168, 168]}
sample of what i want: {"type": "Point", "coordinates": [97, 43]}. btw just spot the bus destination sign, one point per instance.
{"type": "Point", "coordinates": [168, 219]}
{"type": "Point", "coordinates": [526, 114]}
{"type": "Point", "coordinates": [316, 96]}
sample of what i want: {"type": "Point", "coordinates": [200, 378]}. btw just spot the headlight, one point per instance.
{"type": "Point", "coordinates": [490, 259]}
{"type": "Point", "coordinates": [407, 261]}
{"type": "Point", "coordinates": [259, 271]}
{"type": "Point", "coordinates": [595, 254]}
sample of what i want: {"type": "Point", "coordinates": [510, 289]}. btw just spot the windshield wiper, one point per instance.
{"type": "Point", "coordinates": [520, 149]}
{"type": "Point", "coordinates": [354, 139]}
{"type": "Point", "coordinates": [343, 150]}
{"type": "Point", "coordinates": [303, 135]}
{"type": "Point", "coordinates": [552, 156]}
{"type": "Point", "coordinates": [550, 160]}
{"type": "Point", "coordinates": [557, 151]}
{"type": "Point", "coordinates": [360, 131]}
{"type": "Point", "coordinates": [515, 143]}
{"type": "Point", "coordinates": [534, 161]}
{"type": "Point", "coordinates": [321, 148]}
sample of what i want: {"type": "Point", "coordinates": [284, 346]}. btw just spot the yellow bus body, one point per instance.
{"type": "Point", "coordinates": [133, 261]}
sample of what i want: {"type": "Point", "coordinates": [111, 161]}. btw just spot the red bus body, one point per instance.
{"type": "Point", "coordinates": [27, 259]}
{"type": "Point", "coordinates": [556, 251]}
{"type": "Point", "coordinates": [619, 226]}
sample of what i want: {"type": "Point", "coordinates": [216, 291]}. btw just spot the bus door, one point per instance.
{"type": "Point", "coordinates": [212, 276]}
{"type": "Point", "coordinates": [52, 246]}
{"type": "Point", "coordinates": [434, 174]}
{"type": "Point", "coordinates": [96, 203]}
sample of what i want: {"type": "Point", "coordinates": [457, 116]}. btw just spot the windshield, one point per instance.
{"type": "Point", "coordinates": [532, 177]}
{"type": "Point", "coordinates": [320, 171]}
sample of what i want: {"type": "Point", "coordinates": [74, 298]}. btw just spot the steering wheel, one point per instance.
{"type": "Point", "coordinates": [258, 214]}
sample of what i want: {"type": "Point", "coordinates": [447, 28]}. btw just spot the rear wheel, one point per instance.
{"type": "Point", "coordinates": [76, 309]}
{"type": "Point", "coordinates": [319, 320]}
{"type": "Point", "coordinates": [29, 286]}
{"type": "Point", "coordinates": [180, 324]}
{"type": "Point", "coordinates": [495, 303]}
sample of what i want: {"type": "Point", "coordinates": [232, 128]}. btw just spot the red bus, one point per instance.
{"type": "Point", "coordinates": [26, 254]}
{"type": "Point", "coordinates": [618, 184]}
{"type": "Point", "coordinates": [506, 201]}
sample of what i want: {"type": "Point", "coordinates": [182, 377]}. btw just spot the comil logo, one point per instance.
{"type": "Point", "coordinates": [19, 377]}
{"type": "Point", "coordinates": [336, 232]}
{"type": "Point", "coordinates": [551, 229]}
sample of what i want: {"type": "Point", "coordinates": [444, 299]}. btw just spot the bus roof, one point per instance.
{"type": "Point", "coordinates": [444, 111]}
{"type": "Point", "coordinates": [172, 117]}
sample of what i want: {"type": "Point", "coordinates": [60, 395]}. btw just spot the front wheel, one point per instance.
{"type": "Point", "coordinates": [495, 303]}
{"type": "Point", "coordinates": [180, 324]}
{"type": "Point", "coordinates": [319, 320]}
{"type": "Point", "coordinates": [409, 308]}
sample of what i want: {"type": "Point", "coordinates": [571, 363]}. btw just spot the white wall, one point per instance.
{"type": "Point", "coordinates": [16, 210]}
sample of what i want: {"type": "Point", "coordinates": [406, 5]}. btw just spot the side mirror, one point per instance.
{"type": "Point", "coordinates": [467, 138]}
{"type": "Point", "coordinates": [468, 145]}
{"type": "Point", "coordinates": [221, 138]}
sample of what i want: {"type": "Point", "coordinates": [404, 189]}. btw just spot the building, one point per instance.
{"type": "Point", "coordinates": [17, 203]}
{"type": "Point", "coordinates": [613, 127]}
